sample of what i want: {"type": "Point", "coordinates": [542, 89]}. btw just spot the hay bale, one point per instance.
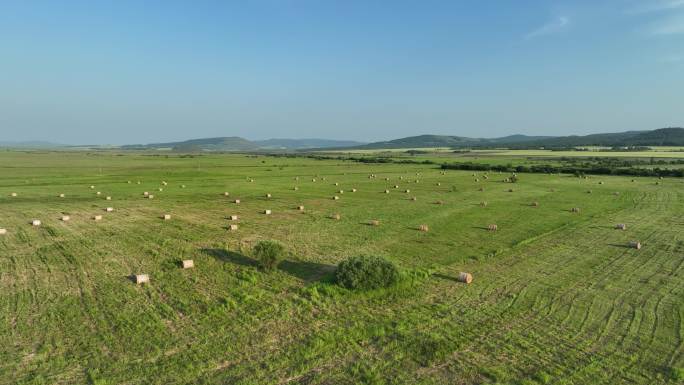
{"type": "Point", "coordinates": [268, 195]}
{"type": "Point", "coordinates": [150, 196]}
{"type": "Point", "coordinates": [3, 231]}
{"type": "Point", "coordinates": [182, 186]}
{"type": "Point", "coordinates": [300, 208]}
{"type": "Point", "coordinates": [62, 195]}
{"type": "Point", "coordinates": [237, 201]}
{"type": "Point", "coordinates": [92, 187]}
{"type": "Point", "coordinates": [510, 190]}
{"type": "Point", "coordinates": [233, 217]}
{"type": "Point", "coordinates": [267, 212]}
{"type": "Point", "coordinates": [601, 182]}
{"type": "Point", "coordinates": [386, 191]}
{"type": "Point", "coordinates": [233, 227]}
{"type": "Point", "coordinates": [97, 217]}
{"type": "Point", "coordinates": [407, 191]}
{"type": "Point", "coordinates": [535, 204]}
{"type": "Point", "coordinates": [251, 180]}
{"type": "Point", "coordinates": [414, 198]}
{"type": "Point", "coordinates": [621, 226]}
{"type": "Point", "coordinates": [166, 217]}
{"type": "Point", "coordinates": [616, 193]}
{"type": "Point", "coordinates": [108, 198]}
{"type": "Point", "coordinates": [13, 194]}
{"type": "Point", "coordinates": [575, 210]}
{"type": "Point", "coordinates": [138, 182]}
{"type": "Point", "coordinates": [374, 222]}
{"type": "Point", "coordinates": [438, 184]}
{"type": "Point", "coordinates": [477, 179]}
{"type": "Point", "coordinates": [35, 222]}
{"type": "Point", "coordinates": [635, 245]}
{"type": "Point", "coordinates": [313, 180]}
{"type": "Point", "coordinates": [161, 189]}
{"type": "Point", "coordinates": [188, 264]}
{"type": "Point", "coordinates": [424, 228]}
{"type": "Point", "coordinates": [337, 184]}
{"type": "Point", "coordinates": [335, 217]}
{"type": "Point", "coordinates": [353, 190]}
{"type": "Point", "coordinates": [396, 186]}
{"type": "Point", "coordinates": [465, 277]}
{"type": "Point", "coordinates": [493, 227]}
{"type": "Point", "coordinates": [146, 194]}
{"type": "Point", "coordinates": [226, 193]}
{"type": "Point", "coordinates": [129, 182]}
{"type": "Point", "coordinates": [141, 278]}
{"type": "Point", "coordinates": [164, 183]}
{"type": "Point", "coordinates": [439, 202]}
{"type": "Point", "coordinates": [65, 218]}
{"type": "Point", "coordinates": [109, 209]}
{"type": "Point", "coordinates": [295, 188]}
{"type": "Point", "coordinates": [335, 197]}
{"type": "Point", "coordinates": [98, 193]}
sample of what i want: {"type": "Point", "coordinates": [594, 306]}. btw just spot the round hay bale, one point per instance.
{"type": "Point", "coordinates": [300, 208]}
{"type": "Point", "coordinates": [575, 210]}
{"type": "Point", "coordinates": [226, 194]}
{"type": "Point", "coordinates": [92, 187]}
{"type": "Point", "coordinates": [13, 194]}
{"type": "Point", "coordinates": [3, 231]}
{"type": "Point", "coordinates": [601, 182]}
{"type": "Point", "coordinates": [108, 198]}
{"type": "Point", "coordinates": [161, 189]}
{"type": "Point", "coordinates": [465, 278]}
{"type": "Point", "coordinates": [313, 180]}
{"type": "Point", "coordinates": [493, 227]}
{"type": "Point", "coordinates": [97, 217]}
{"type": "Point", "coordinates": [439, 202]}
{"type": "Point", "coordinates": [268, 195]}
{"type": "Point", "coordinates": [166, 217]}
{"type": "Point", "coordinates": [438, 184]}
{"type": "Point", "coordinates": [138, 182]}
{"type": "Point", "coordinates": [424, 228]}
{"type": "Point", "coordinates": [407, 191]}
{"type": "Point", "coordinates": [353, 190]}
{"type": "Point", "coordinates": [386, 191]}
{"type": "Point", "coordinates": [129, 182]}
{"type": "Point", "coordinates": [233, 227]}
{"type": "Point", "coordinates": [335, 197]}
{"type": "Point", "coordinates": [62, 195]}
{"type": "Point", "coordinates": [233, 217]}
{"type": "Point", "coordinates": [295, 188]}
{"type": "Point", "coordinates": [335, 217]}
{"type": "Point", "coordinates": [109, 209]}
{"type": "Point", "coordinates": [164, 183]}
{"type": "Point", "coordinates": [188, 264]}
{"type": "Point", "coordinates": [182, 186]}
{"type": "Point", "coordinates": [374, 222]}
{"type": "Point", "coordinates": [414, 198]}
{"type": "Point", "coordinates": [146, 194]}
{"type": "Point", "coordinates": [535, 204]}
{"type": "Point", "coordinates": [635, 245]}
{"type": "Point", "coordinates": [621, 226]}
{"type": "Point", "coordinates": [337, 184]}
{"type": "Point", "coordinates": [141, 278]}
{"type": "Point", "coordinates": [341, 192]}
{"type": "Point", "coordinates": [150, 196]}
{"type": "Point", "coordinates": [65, 218]}
{"type": "Point", "coordinates": [98, 193]}
{"type": "Point", "coordinates": [237, 201]}
{"type": "Point", "coordinates": [267, 212]}
{"type": "Point", "coordinates": [35, 222]}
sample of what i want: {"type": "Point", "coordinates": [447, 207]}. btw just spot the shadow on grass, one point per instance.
{"type": "Point", "coordinates": [620, 246]}
{"type": "Point", "coordinates": [481, 228]}
{"type": "Point", "coordinates": [306, 271]}
{"type": "Point", "coordinates": [232, 257]}
{"type": "Point", "coordinates": [445, 277]}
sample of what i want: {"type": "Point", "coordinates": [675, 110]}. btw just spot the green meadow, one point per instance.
{"type": "Point", "coordinates": [557, 297]}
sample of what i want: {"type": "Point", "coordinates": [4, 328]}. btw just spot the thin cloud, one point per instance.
{"type": "Point", "coordinates": [551, 27]}
{"type": "Point", "coordinates": [672, 59]}
{"type": "Point", "coordinates": [657, 6]}
{"type": "Point", "coordinates": [669, 26]}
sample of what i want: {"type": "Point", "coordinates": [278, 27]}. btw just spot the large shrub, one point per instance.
{"type": "Point", "coordinates": [269, 254]}
{"type": "Point", "coordinates": [366, 273]}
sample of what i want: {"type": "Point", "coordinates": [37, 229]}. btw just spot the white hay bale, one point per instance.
{"type": "Point", "coordinates": [300, 208]}
{"type": "Point", "coordinates": [138, 182]}
{"type": "Point", "coordinates": [295, 188]}
{"type": "Point", "coordinates": [424, 228]}
{"type": "Point", "coordinates": [62, 195]}
{"type": "Point", "coordinates": [97, 217]}
{"type": "Point", "coordinates": [166, 217]}
{"type": "Point", "coordinates": [575, 210]}
{"type": "Point", "coordinates": [267, 212]}
{"type": "Point", "coordinates": [237, 201]}
{"type": "Point", "coordinates": [161, 189]}
{"type": "Point", "coordinates": [141, 278]}
{"type": "Point", "coordinates": [251, 180]}
{"type": "Point", "coordinates": [414, 198]}
{"type": "Point", "coordinates": [335, 217]}
{"type": "Point", "coordinates": [439, 184]}
{"type": "Point", "coordinates": [233, 227]}
{"type": "Point", "coordinates": [465, 278]}
{"type": "Point", "coordinates": [65, 218]}
{"type": "Point", "coordinates": [35, 222]}
{"type": "Point", "coordinates": [129, 182]}
{"type": "Point", "coordinates": [226, 193]}
{"type": "Point", "coordinates": [268, 195]}
{"type": "Point", "coordinates": [337, 184]}
{"type": "Point", "coordinates": [188, 264]}
{"type": "Point", "coordinates": [150, 196]}
{"type": "Point", "coordinates": [13, 194]}
{"type": "Point", "coordinates": [109, 209]}
{"type": "Point", "coordinates": [374, 222]}
{"type": "Point", "coordinates": [146, 194]}
{"type": "Point", "coordinates": [600, 182]}
{"type": "Point", "coordinates": [635, 245]}
{"type": "Point", "coordinates": [108, 198]}
{"type": "Point", "coordinates": [164, 183]}
{"type": "Point", "coordinates": [353, 190]}
{"type": "Point", "coordinates": [98, 193]}
{"type": "Point", "coordinates": [182, 186]}
{"type": "Point", "coordinates": [386, 191]}
{"type": "Point", "coordinates": [621, 226]}
{"type": "Point", "coordinates": [407, 191]}
{"type": "Point", "coordinates": [535, 204]}
{"type": "Point", "coordinates": [3, 231]}
{"type": "Point", "coordinates": [233, 217]}
{"type": "Point", "coordinates": [313, 180]}
{"type": "Point", "coordinates": [493, 227]}
{"type": "Point", "coordinates": [335, 197]}
{"type": "Point", "coordinates": [396, 186]}
{"type": "Point", "coordinates": [92, 187]}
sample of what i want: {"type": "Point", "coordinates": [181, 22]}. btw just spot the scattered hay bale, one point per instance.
{"type": "Point", "coordinates": [182, 186]}
{"type": "Point", "coordinates": [407, 191]}
{"type": "Point", "coordinates": [138, 182]}
{"type": "Point", "coordinates": [414, 198]}
{"type": "Point", "coordinates": [3, 231]}
{"type": "Point", "coordinates": [386, 191]}
{"type": "Point", "coordinates": [616, 193]}
{"type": "Point", "coordinates": [233, 227]}
{"type": "Point", "coordinates": [251, 180]}
{"type": "Point", "coordinates": [108, 198]}
{"type": "Point", "coordinates": [92, 187]}
{"type": "Point", "coordinates": [300, 208]}
{"type": "Point", "coordinates": [13, 194]}
{"type": "Point", "coordinates": [477, 179]}
{"type": "Point", "coordinates": [150, 196]}
{"type": "Point", "coordinates": [465, 277]}
{"type": "Point", "coordinates": [635, 245]}
{"type": "Point", "coordinates": [313, 180]}
{"type": "Point", "coordinates": [97, 217]}
{"type": "Point", "coordinates": [109, 209]}
{"type": "Point", "coordinates": [166, 217]}
{"type": "Point", "coordinates": [621, 226]}
{"type": "Point", "coordinates": [268, 195]}
{"type": "Point", "coordinates": [65, 218]}
{"type": "Point", "coordinates": [296, 178]}
{"type": "Point", "coordinates": [98, 193]}
{"type": "Point", "coordinates": [341, 192]}
{"type": "Point", "coordinates": [601, 182]}
{"type": "Point", "coordinates": [335, 217]}
{"type": "Point", "coordinates": [141, 278]}
{"type": "Point", "coordinates": [337, 184]}
{"type": "Point", "coordinates": [267, 212]}
{"type": "Point", "coordinates": [353, 190]}
{"type": "Point", "coordinates": [374, 222]}
{"type": "Point", "coordinates": [161, 189]}
{"type": "Point", "coordinates": [188, 263]}
{"type": "Point", "coordinates": [237, 201]}
{"type": "Point", "coordinates": [35, 222]}
{"type": "Point", "coordinates": [61, 195]}
{"type": "Point", "coordinates": [164, 183]}
{"type": "Point", "coordinates": [295, 188]}
{"type": "Point", "coordinates": [493, 227]}
{"type": "Point", "coordinates": [233, 217]}
{"type": "Point", "coordinates": [129, 182]}
{"type": "Point", "coordinates": [439, 184]}
{"type": "Point", "coordinates": [535, 204]}
{"type": "Point", "coordinates": [396, 186]}
{"type": "Point", "coordinates": [146, 194]}
{"type": "Point", "coordinates": [335, 197]}
{"type": "Point", "coordinates": [575, 210]}
{"type": "Point", "coordinates": [226, 194]}
{"type": "Point", "coordinates": [386, 178]}
{"type": "Point", "coordinates": [424, 228]}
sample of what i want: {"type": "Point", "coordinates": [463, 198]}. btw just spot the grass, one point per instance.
{"type": "Point", "coordinates": [557, 297]}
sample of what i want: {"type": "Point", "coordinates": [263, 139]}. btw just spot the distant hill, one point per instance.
{"type": "Point", "coordinates": [30, 144]}
{"type": "Point", "coordinates": [661, 137]}
{"type": "Point", "coordinates": [234, 143]}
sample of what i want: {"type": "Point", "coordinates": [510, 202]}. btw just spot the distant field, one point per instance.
{"type": "Point", "coordinates": [656, 152]}
{"type": "Point", "coordinates": [557, 297]}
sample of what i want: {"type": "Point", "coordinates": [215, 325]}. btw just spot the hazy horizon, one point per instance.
{"type": "Point", "coordinates": [131, 73]}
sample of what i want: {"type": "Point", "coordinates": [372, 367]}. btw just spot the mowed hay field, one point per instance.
{"type": "Point", "coordinates": [557, 297]}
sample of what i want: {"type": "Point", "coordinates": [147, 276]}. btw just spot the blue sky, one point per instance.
{"type": "Point", "coordinates": [138, 72]}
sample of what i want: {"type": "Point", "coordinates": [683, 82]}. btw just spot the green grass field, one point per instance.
{"type": "Point", "coordinates": [557, 297]}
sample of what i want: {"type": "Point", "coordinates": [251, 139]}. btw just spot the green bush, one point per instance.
{"type": "Point", "coordinates": [677, 374]}
{"type": "Point", "coordinates": [366, 273]}
{"type": "Point", "coordinates": [269, 254]}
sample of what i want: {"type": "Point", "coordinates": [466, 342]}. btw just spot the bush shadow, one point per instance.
{"type": "Point", "coordinates": [306, 271]}
{"type": "Point", "coordinates": [232, 257]}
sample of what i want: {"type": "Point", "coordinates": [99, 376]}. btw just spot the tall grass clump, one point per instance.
{"type": "Point", "coordinates": [366, 272]}
{"type": "Point", "coordinates": [268, 254]}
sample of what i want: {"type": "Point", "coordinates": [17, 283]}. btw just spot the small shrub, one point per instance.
{"type": "Point", "coordinates": [677, 374]}
{"type": "Point", "coordinates": [366, 273]}
{"type": "Point", "coordinates": [269, 254]}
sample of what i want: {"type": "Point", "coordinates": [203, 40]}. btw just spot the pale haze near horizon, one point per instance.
{"type": "Point", "coordinates": [124, 73]}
